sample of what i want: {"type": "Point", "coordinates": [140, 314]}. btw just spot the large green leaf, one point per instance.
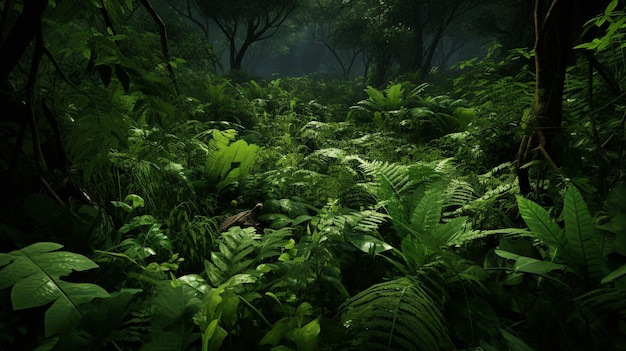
{"type": "Point", "coordinates": [530, 265]}
{"type": "Point", "coordinates": [174, 306]}
{"type": "Point", "coordinates": [394, 315]}
{"type": "Point", "coordinates": [579, 230]}
{"type": "Point", "coordinates": [544, 227]}
{"type": "Point", "coordinates": [35, 273]}
{"type": "Point", "coordinates": [427, 213]}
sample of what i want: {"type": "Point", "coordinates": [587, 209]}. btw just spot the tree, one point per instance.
{"type": "Point", "coordinates": [330, 20]}
{"type": "Point", "coordinates": [245, 22]}
{"type": "Point", "coordinates": [39, 160]}
{"type": "Point", "coordinates": [556, 22]}
{"type": "Point", "coordinates": [405, 32]}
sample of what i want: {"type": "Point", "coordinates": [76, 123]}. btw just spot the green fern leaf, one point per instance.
{"type": "Point", "coordinates": [579, 230]}
{"type": "Point", "coordinates": [376, 99]}
{"type": "Point", "coordinates": [394, 95]}
{"type": "Point", "coordinates": [236, 245]}
{"type": "Point", "coordinates": [543, 227]}
{"type": "Point", "coordinates": [449, 232]}
{"type": "Point", "coordinates": [459, 193]}
{"type": "Point", "coordinates": [35, 273]}
{"type": "Point", "coordinates": [227, 162]}
{"type": "Point", "coordinates": [427, 213]}
{"type": "Point", "coordinates": [395, 315]}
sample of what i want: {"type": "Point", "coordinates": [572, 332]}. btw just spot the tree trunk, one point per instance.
{"type": "Point", "coordinates": [410, 60]}
{"type": "Point", "coordinates": [553, 41]}
{"type": "Point", "coordinates": [20, 36]}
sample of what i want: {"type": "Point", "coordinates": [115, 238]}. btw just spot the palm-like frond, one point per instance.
{"type": "Point", "coordinates": [240, 250]}
{"type": "Point", "coordinates": [227, 162]}
{"type": "Point", "coordinates": [459, 193]}
{"type": "Point", "coordinates": [234, 254]}
{"type": "Point", "coordinates": [394, 176]}
{"type": "Point", "coordinates": [395, 315]}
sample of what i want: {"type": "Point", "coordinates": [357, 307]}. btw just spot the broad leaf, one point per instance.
{"type": "Point", "coordinates": [35, 273]}
{"type": "Point", "coordinates": [369, 244]}
{"type": "Point", "coordinates": [579, 230]}
{"type": "Point", "coordinates": [543, 226]}
{"type": "Point", "coordinates": [530, 265]}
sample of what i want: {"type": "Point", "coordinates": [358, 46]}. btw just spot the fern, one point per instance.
{"type": "Point", "coordinates": [35, 274]}
{"type": "Point", "coordinates": [241, 250]}
{"type": "Point", "coordinates": [228, 162]}
{"type": "Point", "coordinates": [192, 235]}
{"type": "Point", "coordinates": [387, 100]}
{"type": "Point", "coordinates": [394, 315]}
{"type": "Point", "coordinates": [172, 308]}
{"type": "Point", "coordinates": [459, 193]}
{"type": "Point", "coordinates": [356, 196]}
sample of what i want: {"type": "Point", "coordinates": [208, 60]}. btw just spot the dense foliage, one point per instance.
{"type": "Point", "coordinates": [392, 216]}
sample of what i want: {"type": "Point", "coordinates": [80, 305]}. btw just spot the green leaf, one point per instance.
{"type": "Point", "coordinates": [395, 315]}
{"type": "Point", "coordinates": [35, 272]}
{"type": "Point", "coordinates": [427, 213]}
{"type": "Point", "coordinates": [213, 336]}
{"type": "Point", "coordinates": [276, 334]}
{"type": "Point", "coordinates": [609, 9]}
{"type": "Point", "coordinates": [123, 77]}
{"type": "Point", "coordinates": [543, 227]}
{"type": "Point", "coordinates": [369, 244]}
{"type": "Point", "coordinates": [514, 343]}
{"type": "Point", "coordinates": [579, 230]}
{"type": "Point", "coordinates": [306, 337]}
{"type": "Point", "coordinates": [530, 265]}
{"type": "Point", "coordinates": [614, 274]}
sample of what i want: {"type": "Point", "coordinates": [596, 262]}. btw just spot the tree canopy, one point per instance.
{"type": "Point", "coordinates": [246, 22]}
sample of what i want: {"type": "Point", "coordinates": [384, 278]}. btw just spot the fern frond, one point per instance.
{"type": "Point", "coordinates": [234, 254]}
{"type": "Point", "coordinates": [395, 175]}
{"type": "Point", "coordinates": [427, 213]}
{"type": "Point", "coordinates": [357, 196]}
{"type": "Point", "coordinates": [395, 315]}
{"type": "Point", "coordinates": [273, 241]}
{"type": "Point", "coordinates": [241, 250]}
{"type": "Point", "coordinates": [459, 193]}
{"type": "Point", "coordinates": [366, 221]}
{"type": "Point", "coordinates": [227, 161]}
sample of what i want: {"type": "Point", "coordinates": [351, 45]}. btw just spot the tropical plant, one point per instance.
{"type": "Point", "coordinates": [577, 245]}
{"type": "Point", "coordinates": [416, 117]}
{"type": "Point", "coordinates": [568, 260]}
{"type": "Point", "coordinates": [34, 274]}
{"type": "Point", "coordinates": [396, 315]}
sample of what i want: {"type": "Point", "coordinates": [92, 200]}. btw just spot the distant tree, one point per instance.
{"type": "Point", "coordinates": [426, 22]}
{"type": "Point", "coordinates": [367, 27]}
{"type": "Point", "coordinates": [189, 10]}
{"type": "Point", "coordinates": [245, 22]}
{"type": "Point", "coordinates": [402, 32]}
{"type": "Point", "coordinates": [328, 18]}
{"type": "Point", "coordinates": [509, 23]}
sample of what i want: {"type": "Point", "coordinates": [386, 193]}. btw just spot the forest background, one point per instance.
{"type": "Point", "coordinates": [434, 175]}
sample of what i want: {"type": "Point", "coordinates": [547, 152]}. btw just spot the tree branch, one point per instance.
{"type": "Point", "coordinates": [164, 48]}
